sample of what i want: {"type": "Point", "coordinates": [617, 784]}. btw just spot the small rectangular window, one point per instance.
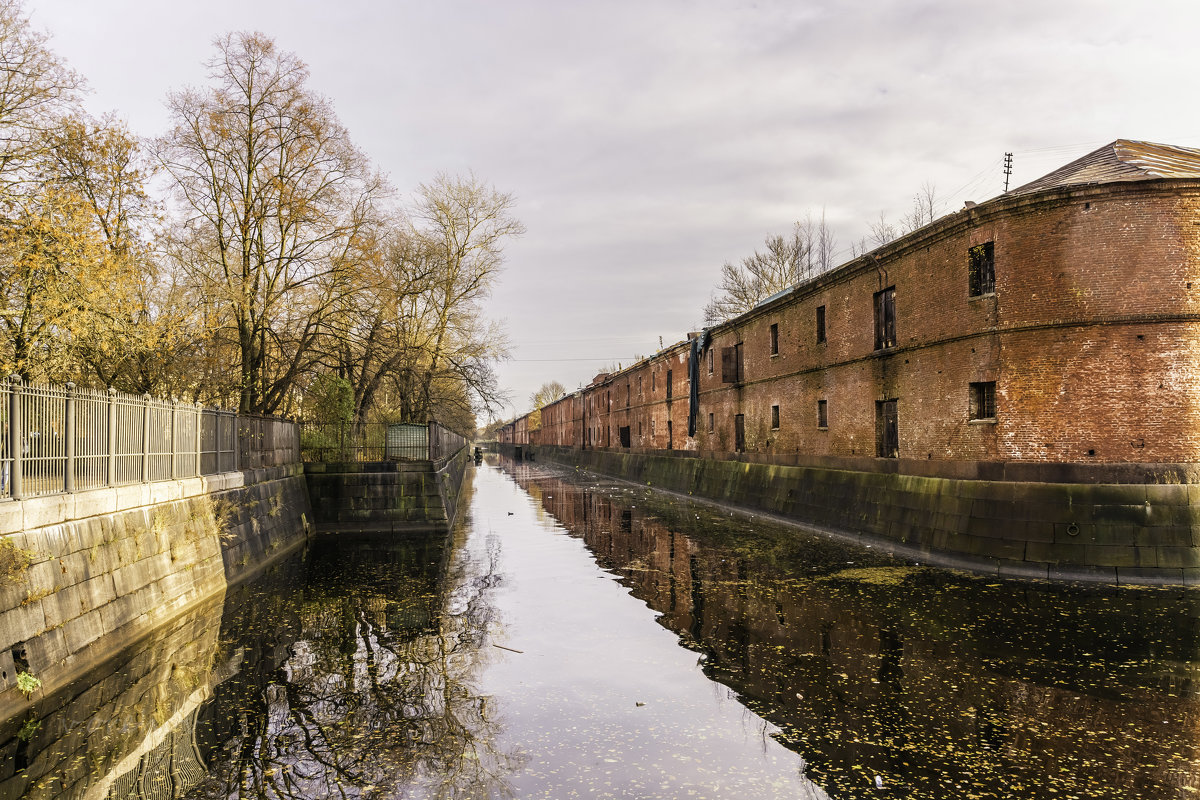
{"type": "Point", "coordinates": [774, 418]}
{"type": "Point", "coordinates": [653, 382]}
{"type": "Point", "coordinates": [739, 433]}
{"type": "Point", "coordinates": [820, 324]}
{"type": "Point", "coordinates": [670, 387]}
{"type": "Point", "coordinates": [822, 413]}
{"type": "Point", "coordinates": [982, 269]}
{"type": "Point", "coordinates": [640, 387]}
{"type": "Point", "coordinates": [774, 339]}
{"type": "Point", "coordinates": [710, 361]}
{"type": "Point", "coordinates": [887, 429]}
{"type": "Point", "coordinates": [628, 394]}
{"type": "Point", "coordinates": [712, 425]}
{"type": "Point", "coordinates": [983, 400]}
{"type": "Point", "coordinates": [885, 318]}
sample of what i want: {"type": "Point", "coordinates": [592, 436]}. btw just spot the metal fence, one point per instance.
{"type": "Point", "coordinates": [378, 441]}
{"type": "Point", "coordinates": [64, 439]}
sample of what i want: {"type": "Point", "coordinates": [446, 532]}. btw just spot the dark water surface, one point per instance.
{"type": "Point", "coordinates": [578, 637]}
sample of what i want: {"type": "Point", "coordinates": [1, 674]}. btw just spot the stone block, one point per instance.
{"type": "Point", "coordinates": [94, 502]}
{"type": "Point", "coordinates": [46, 649]}
{"type": "Point", "coordinates": [165, 492]}
{"type": "Point", "coordinates": [133, 496]}
{"type": "Point", "coordinates": [1150, 575]}
{"type": "Point", "coordinates": [61, 606]}
{"type": "Point", "coordinates": [20, 624]}
{"type": "Point", "coordinates": [1178, 557]}
{"type": "Point", "coordinates": [48, 510]}
{"type": "Point", "coordinates": [1022, 569]}
{"type": "Point", "coordinates": [83, 630]}
{"type": "Point", "coordinates": [1078, 572]}
{"type": "Point", "coordinates": [12, 517]}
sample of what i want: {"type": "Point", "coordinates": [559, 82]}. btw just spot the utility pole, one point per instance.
{"type": "Point", "coordinates": [1007, 170]}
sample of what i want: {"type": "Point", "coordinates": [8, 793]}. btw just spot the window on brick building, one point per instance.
{"type": "Point", "coordinates": [887, 429]}
{"type": "Point", "coordinates": [775, 339]}
{"type": "Point", "coordinates": [712, 423]}
{"type": "Point", "coordinates": [670, 383]}
{"type": "Point", "coordinates": [822, 413]}
{"type": "Point", "coordinates": [885, 318]}
{"type": "Point", "coordinates": [732, 364]}
{"type": "Point", "coordinates": [639, 387]}
{"type": "Point", "coordinates": [982, 269]}
{"type": "Point", "coordinates": [774, 418]}
{"type": "Point", "coordinates": [710, 361]}
{"type": "Point", "coordinates": [653, 382]}
{"type": "Point", "coordinates": [820, 324]}
{"type": "Point", "coordinates": [739, 433]}
{"type": "Point", "coordinates": [628, 393]}
{"type": "Point", "coordinates": [983, 400]}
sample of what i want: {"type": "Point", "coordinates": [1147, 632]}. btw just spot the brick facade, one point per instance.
{"type": "Point", "coordinates": [1088, 348]}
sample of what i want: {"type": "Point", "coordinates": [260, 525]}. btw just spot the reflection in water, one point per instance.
{"type": "Point", "coordinates": [941, 684]}
{"type": "Point", "coordinates": [536, 653]}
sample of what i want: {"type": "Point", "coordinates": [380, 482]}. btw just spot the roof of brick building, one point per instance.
{"type": "Point", "coordinates": [1122, 160]}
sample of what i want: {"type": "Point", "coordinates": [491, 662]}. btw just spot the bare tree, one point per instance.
{"type": "Point", "coordinates": [924, 209]}
{"type": "Point", "coordinates": [785, 261]}
{"type": "Point", "coordinates": [275, 199]}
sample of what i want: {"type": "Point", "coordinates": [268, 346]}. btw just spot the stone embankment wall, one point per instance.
{"type": "Point", "coordinates": [89, 572]}
{"type": "Point", "coordinates": [1120, 533]}
{"type": "Point", "coordinates": [385, 495]}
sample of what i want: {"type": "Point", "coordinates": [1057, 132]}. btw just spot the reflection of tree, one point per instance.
{"type": "Point", "coordinates": [376, 692]}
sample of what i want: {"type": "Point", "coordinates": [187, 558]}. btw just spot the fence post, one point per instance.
{"type": "Point", "coordinates": [15, 436]}
{"type": "Point", "coordinates": [174, 424]}
{"type": "Point", "coordinates": [69, 466]}
{"type": "Point", "coordinates": [237, 439]}
{"type": "Point", "coordinates": [199, 419]}
{"type": "Point", "coordinates": [111, 467]}
{"type": "Point", "coordinates": [146, 438]}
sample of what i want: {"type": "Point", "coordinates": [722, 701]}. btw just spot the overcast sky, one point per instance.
{"type": "Point", "coordinates": [649, 142]}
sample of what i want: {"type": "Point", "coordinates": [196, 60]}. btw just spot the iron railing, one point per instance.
{"type": "Point", "coordinates": [378, 441]}
{"type": "Point", "coordinates": [65, 439]}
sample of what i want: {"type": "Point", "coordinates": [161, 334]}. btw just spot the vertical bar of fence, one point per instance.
{"type": "Point", "coordinates": [199, 412]}
{"type": "Point", "coordinates": [172, 437]}
{"type": "Point", "coordinates": [111, 468]}
{"type": "Point", "coordinates": [237, 440]}
{"type": "Point", "coordinates": [69, 427]}
{"type": "Point", "coordinates": [146, 438]}
{"type": "Point", "coordinates": [16, 436]}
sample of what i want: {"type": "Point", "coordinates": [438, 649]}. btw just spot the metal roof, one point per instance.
{"type": "Point", "coordinates": [1122, 160]}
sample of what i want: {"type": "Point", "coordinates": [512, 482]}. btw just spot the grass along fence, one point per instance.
{"type": "Point", "coordinates": [65, 439]}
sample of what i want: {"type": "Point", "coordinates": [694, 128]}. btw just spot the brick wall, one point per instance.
{"type": "Point", "coordinates": [1090, 339]}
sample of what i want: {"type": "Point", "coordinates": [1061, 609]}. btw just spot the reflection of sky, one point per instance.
{"type": "Point", "coordinates": [602, 701]}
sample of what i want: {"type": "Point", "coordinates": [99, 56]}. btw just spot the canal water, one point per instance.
{"type": "Point", "coordinates": [577, 637]}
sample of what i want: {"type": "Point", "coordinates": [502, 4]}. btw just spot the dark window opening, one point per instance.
{"type": "Point", "coordinates": [982, 269]}
{"type": "Point", "coordinates": [623, 433]}
{"type": "Point", "coordinates": [670, 435]}
{"type": "Point", "coordinates": [670, 383]}
{"type": "Point", "coordinates": [774, 339]}
{"type": "Point", "coordinates": [653, 382]}
{"type": "Point", "coordinates": [820, 324]}
{"type": "Point", "coordinates": [628, 394]}
{"type": "Point", "coordinates": [822, 413]}
{"type": "Point", "coordinates": [885, 318]}
{"type": "Point", "coordinates": [774, 418]}
{"type": "Point", "coordinates": [739, 433]}
{"type": "Point", "coordinates": [983, 400]}
{"type": "Point", "coordinates": [711, 423]}
{"type": "Point", "coordinates": [887, 431]}
{"type": "Point", "coordinates": [710, 361]}
{"type": "Point", "coordinates": [732, 365]}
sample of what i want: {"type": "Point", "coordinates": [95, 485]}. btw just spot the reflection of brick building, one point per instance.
{"type": "Point", "coordinates": [1048, 335]}
{"type": "Point", "coordinates": [933, 687]}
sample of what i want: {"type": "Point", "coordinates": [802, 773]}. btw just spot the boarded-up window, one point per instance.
{"type": "Point", "coordinates": [885, 318]}
{"type": "Point", "coordinates": [887, 429]}
{"type": "Point", "coordinates": [981, 269]}
{"type": "Point", "coordinates": [731, 364]}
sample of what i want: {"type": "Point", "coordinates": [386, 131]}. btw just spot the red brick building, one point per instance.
{"type": "Point", "coordinates": [1057, 323]}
